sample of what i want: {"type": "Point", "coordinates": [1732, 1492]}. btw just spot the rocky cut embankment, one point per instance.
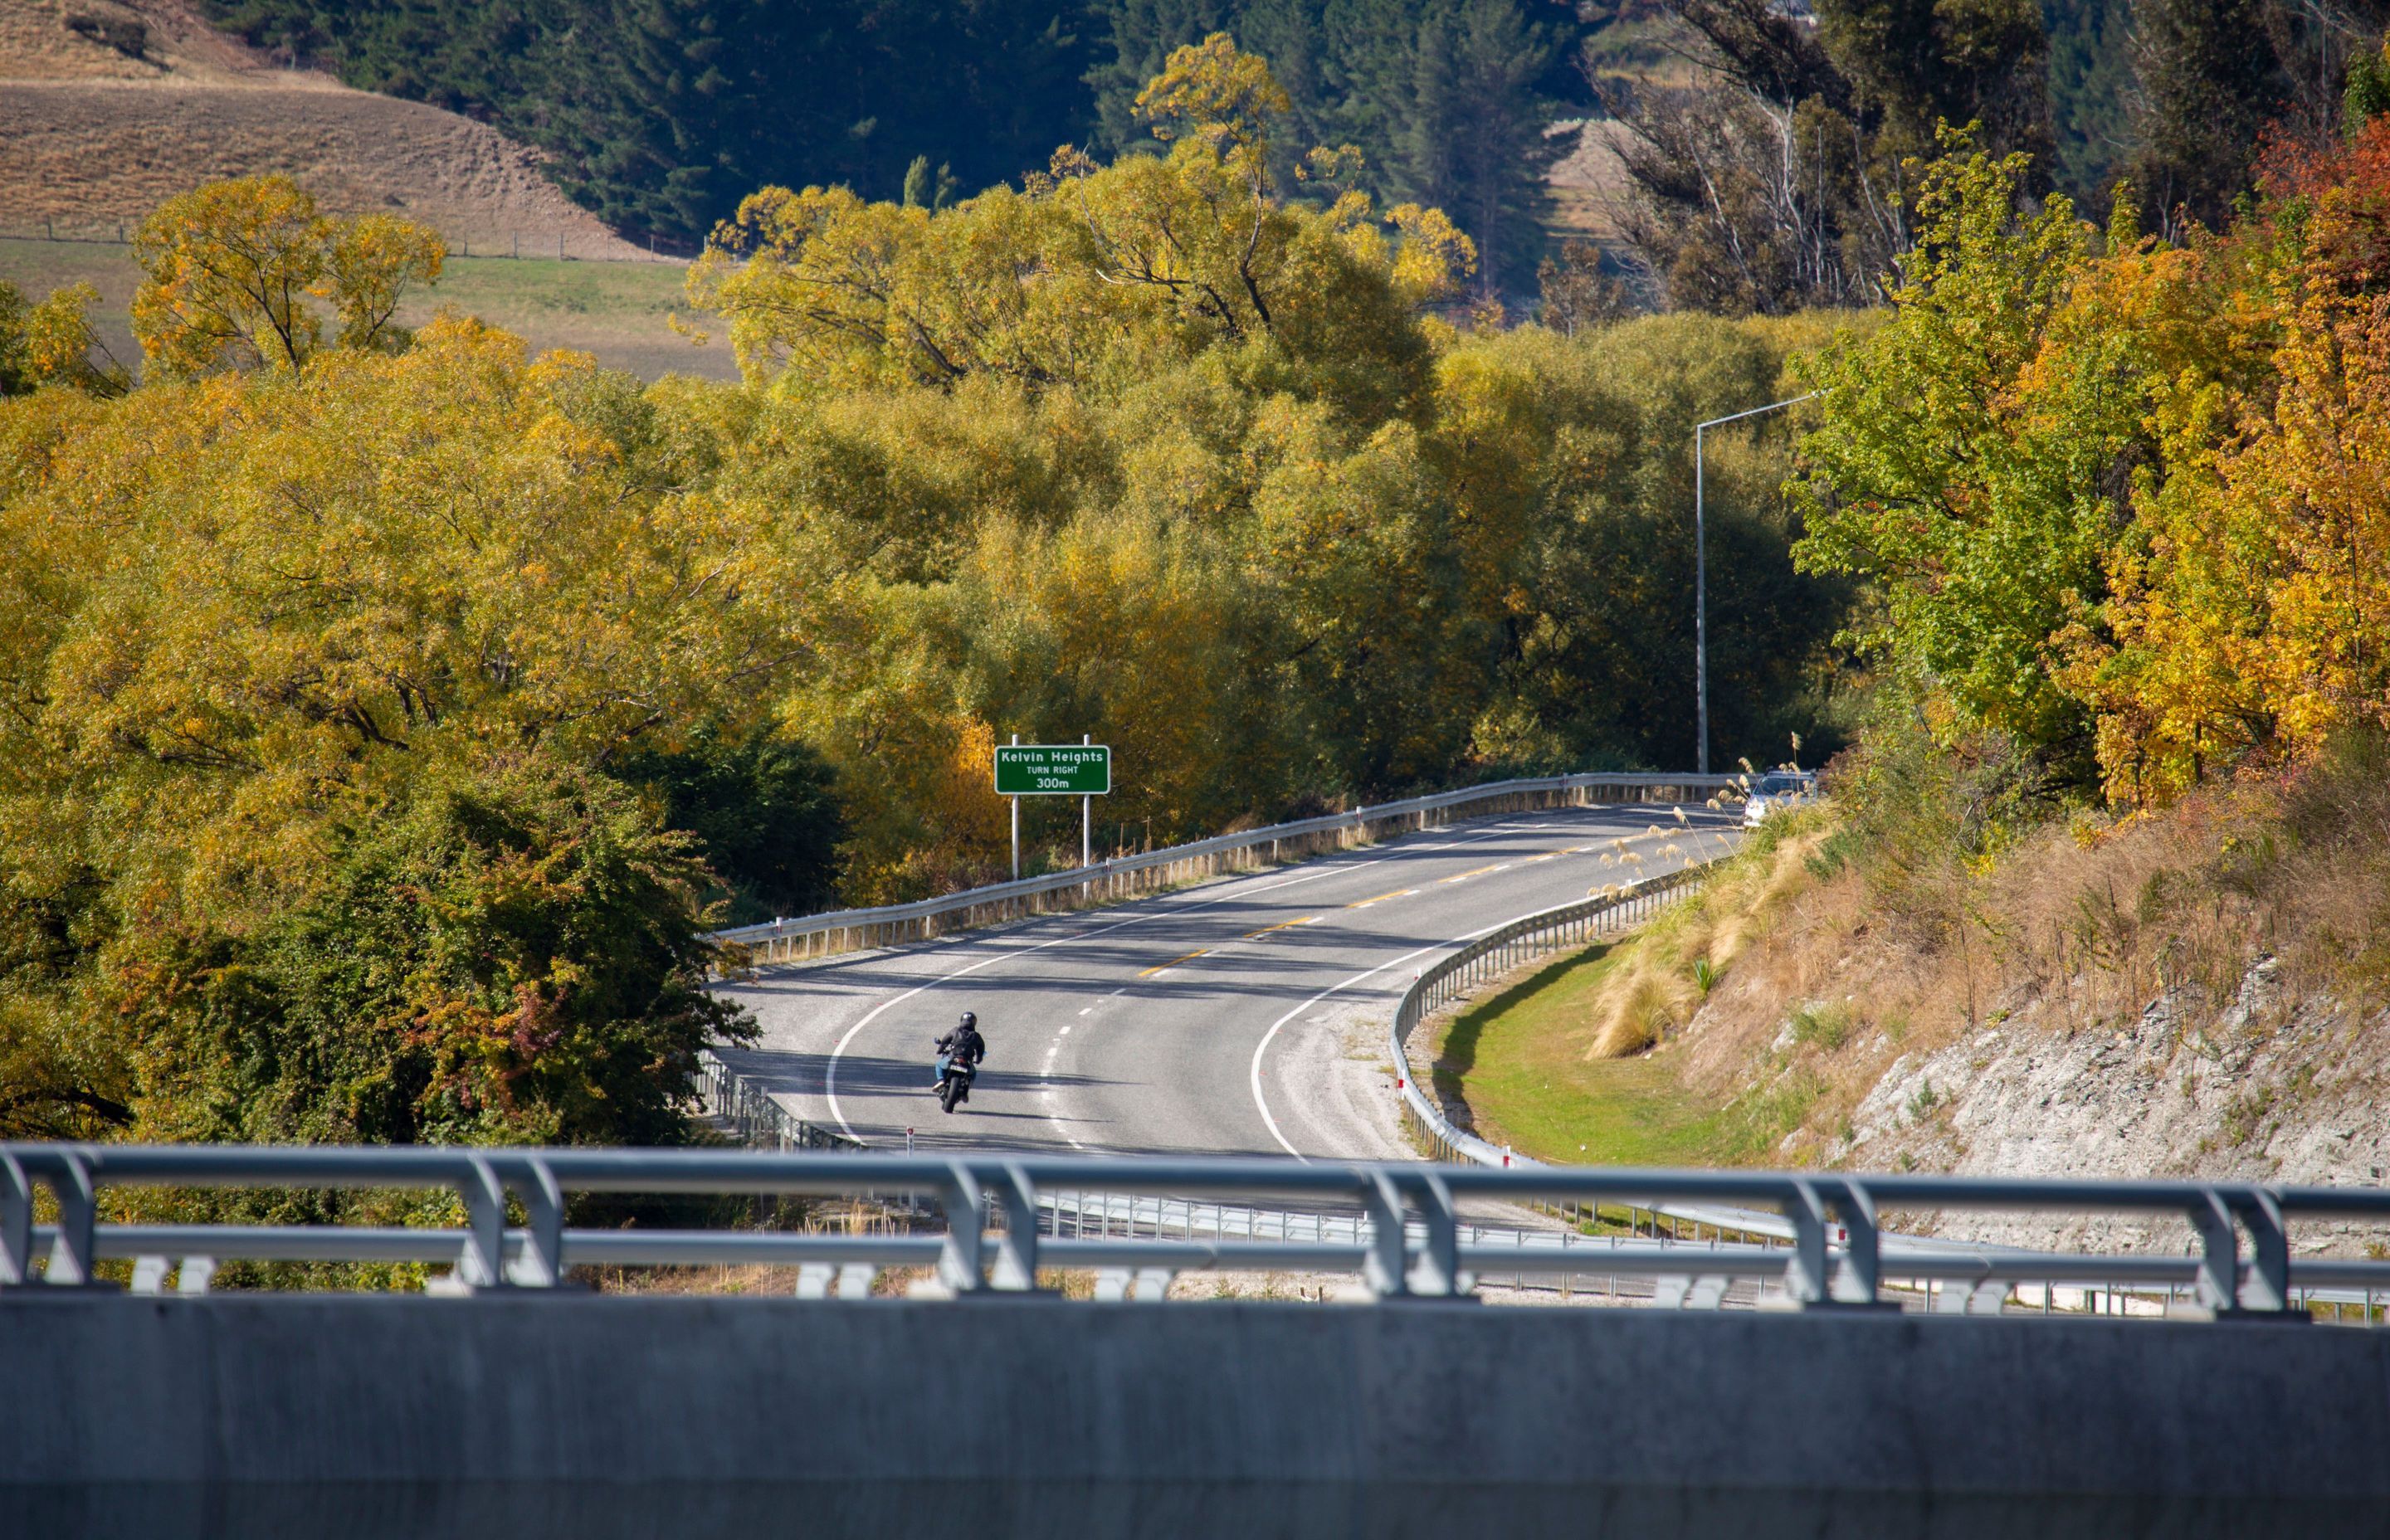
{"type": "Point", "coordinates": [2192, 991]}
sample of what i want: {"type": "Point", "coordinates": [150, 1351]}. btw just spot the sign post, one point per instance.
{"type": "Point", "coordinates": [1083, 770]}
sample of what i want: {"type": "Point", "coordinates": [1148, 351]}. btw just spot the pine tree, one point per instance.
{"type": "Point", "coordinates": [1501, 149]}
{"type": "Point", "coordinates": [2090, 82]}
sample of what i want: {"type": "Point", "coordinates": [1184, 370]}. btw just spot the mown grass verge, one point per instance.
{"type": "Point", "coordinates": [1572, 1062]}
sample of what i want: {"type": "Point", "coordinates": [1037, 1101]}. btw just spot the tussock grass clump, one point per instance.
{"type": "Point", "coordinates": [1658, 977]}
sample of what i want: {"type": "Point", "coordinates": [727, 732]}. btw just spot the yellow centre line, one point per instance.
{"type": "Point", "coordinates": [1174, 962]}
{"type": "Point", "coordinates": [1287, 925]}
{"type": "Point", "coordinates": [1398, 892]}
{"type": "Point", "coordinates": [1463, 876]}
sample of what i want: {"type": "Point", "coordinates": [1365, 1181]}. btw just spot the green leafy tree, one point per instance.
{"type": "Point", "coordinates": [511, 954]}
{"type": "Point", "coordinates": [761, 812]}
{"type": "Point", "coordinates": [1978, 496]}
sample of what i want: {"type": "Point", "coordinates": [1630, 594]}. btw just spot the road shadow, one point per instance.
{"type": "Point", "coordinates": [1457, 1055]}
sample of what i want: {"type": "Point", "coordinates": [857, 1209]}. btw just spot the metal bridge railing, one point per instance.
{"type": "Point", "coordinates": [1410, 1242]}
{"type": "Point", "coordinates": [795, 939]}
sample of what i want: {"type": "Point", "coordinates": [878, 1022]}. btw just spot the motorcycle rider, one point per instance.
{"type": "Point", "coordinates": [963, 1045]}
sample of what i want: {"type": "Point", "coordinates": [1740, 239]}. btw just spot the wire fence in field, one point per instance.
{"type": "Point", "coordinates": [525, 244]}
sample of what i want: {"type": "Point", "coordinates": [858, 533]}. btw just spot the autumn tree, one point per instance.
{"type": "Point", "coordinates": [1091, 273]}
{"type": "Point", "coordinates": [52, 341]}
{"type": "Point", "coordinates": [309, 687]}
{"type": "Point", "coordinates": [1974, 487]}
{"type": "Point", "coordinates": [235, 272]}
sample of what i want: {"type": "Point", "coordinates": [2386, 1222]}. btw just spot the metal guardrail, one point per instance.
{"type": "Point", "coordinates": [1411, 1244]}
{"type": "Point", "coordinates": [838, 931]}
{"type": "Point", "coordinates": [748, 1112]}
{"type": "Point", "coordinates": [1493, 955]}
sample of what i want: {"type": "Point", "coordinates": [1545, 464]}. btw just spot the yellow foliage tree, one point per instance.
{"type": "Point", "coordinates": [53, 342]}
{"type": "Point", "coordinates": [235, 270]}
{"type": "Point", "coordinates": [1089, 275]}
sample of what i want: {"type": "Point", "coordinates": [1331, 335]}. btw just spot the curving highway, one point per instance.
{"type": "Point", "coordinates": [1243, 1015]}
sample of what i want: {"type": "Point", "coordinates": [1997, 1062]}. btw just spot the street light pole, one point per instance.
{"type": "Point", "coordinates": [1702, 572]}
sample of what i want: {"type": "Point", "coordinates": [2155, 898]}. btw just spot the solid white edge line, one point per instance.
{"type": "Point", "coordinates": [1262, 1047]}
{"type": "Point", "coordinates": [829, 1077]}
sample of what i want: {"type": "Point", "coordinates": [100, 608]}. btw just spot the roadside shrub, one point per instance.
{"type": "Point", "coordinates": [1823, 1024]}
{"type": "Point", "coordinates": [508, 954]}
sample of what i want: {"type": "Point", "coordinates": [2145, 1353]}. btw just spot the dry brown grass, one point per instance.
{"type": "Point", "coordinates": [1587, 184]}
{"type": "Point", "coordinates": [1655, 984]}
{"type": "Point", "coordinates": [96, 138]}
{"type": "Point", "coordinates": [1830, 975]}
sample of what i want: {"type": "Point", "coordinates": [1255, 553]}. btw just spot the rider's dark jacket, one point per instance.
{"type": "Point", "coordinates": [965, 1044]}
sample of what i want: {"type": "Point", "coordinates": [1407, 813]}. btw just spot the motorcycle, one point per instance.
{"type": "Point", "coordinates": [954, 1082]}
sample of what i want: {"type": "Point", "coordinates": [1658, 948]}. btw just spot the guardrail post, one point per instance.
{"type": "Point", "coordinates": [1438, 1273]}
{"type": "Point", "coordinates": [2267, 1291]}
{"type": "Point", "coordinates": [481, 1264]}
{"type": "Point", "coordinates": [16, 1224]}
{"type": "Point", "coordinates": [1387, 1263]}
{"type": "Point", "coordinates": [1016, 1250]}
{"type": "Point", "coordinates": [960, 1258]}
{"type": "Point", "coordinates": [1804, 1273]}
{"type": "Point", "coordinates": [1862, 1272]}
{"type": "Point", "coordinates": [71, 1254]}
{"type": "Point", "coordinates": [541, 1263]}
{"type": "Point", "coordinates": [2269, 1287]}
{"type": "Point", "coordinates": [2218, 1286]}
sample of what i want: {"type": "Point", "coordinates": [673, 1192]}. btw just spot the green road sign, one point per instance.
{"type": "Point", "coordinates": [1053, 770]}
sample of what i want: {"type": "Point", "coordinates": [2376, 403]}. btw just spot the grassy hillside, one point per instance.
{"type": "Point", "coordinates": [1583, 1060]}
{"type": "Point", "coordinates": [615, 310]}
{"type": "Point", "coordinates": [2200, 991]}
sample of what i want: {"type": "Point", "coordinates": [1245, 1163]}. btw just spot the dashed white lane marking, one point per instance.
{"type": "Point", "coordinates": [1089, 1011]}
{"type": "Point", "coordinates": [829, 1078]}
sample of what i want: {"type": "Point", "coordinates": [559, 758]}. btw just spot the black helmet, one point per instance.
{"type": "Point", "coordinates": [971, 1020]}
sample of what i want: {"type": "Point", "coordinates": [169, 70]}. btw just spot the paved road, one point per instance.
{"type": "Point", "coordinates": [1244, 1016]}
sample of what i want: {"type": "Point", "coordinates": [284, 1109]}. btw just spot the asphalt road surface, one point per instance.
{"type": "Point", "coordinates": [1243, 1015]}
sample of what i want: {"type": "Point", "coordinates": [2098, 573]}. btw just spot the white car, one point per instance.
{"type": "Point", "coordinates": [1775, 791]}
